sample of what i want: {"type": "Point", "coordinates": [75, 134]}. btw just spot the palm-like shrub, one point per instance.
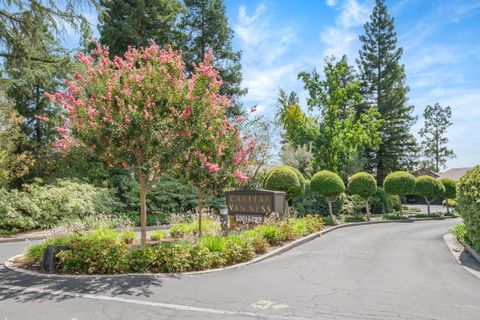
{"type": "Point", "coordinates": [429, 188]}
{"type": "Point", "coordinates": [364, 185]}
{"type": "Point", "coordinates": [450, 191]}
{"type": "Point", "coordinates": [328, 184]}
{"type": "Point", "coordinates": [468, 204]}
{"type": "Point", "coordinates": [399, 183]}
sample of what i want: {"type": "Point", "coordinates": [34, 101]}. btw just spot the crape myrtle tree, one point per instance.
{"type": "Point", "coordinates": [364, 185]}
{"type": "Point", "coordinates": [399, 183]}
{"type": "Point", "coordinates": [133, 112]}
{"type": "Point", "coordinates": [429, 188]}
{"type": "Point", "coordinates": [450, 191]}
{"type": "Point", "coordinates": [217, 153]}
{"type": "Point", "coordinates": [330, 185]}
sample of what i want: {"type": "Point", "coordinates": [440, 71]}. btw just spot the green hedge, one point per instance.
{"type": "Point", "coordinates": [468, 204]}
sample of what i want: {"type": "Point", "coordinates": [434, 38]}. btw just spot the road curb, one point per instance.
{"type": "Point", "coordinates": [275, 252]}
{"type": "Point", "coordinates": [456, 248]}
{"type": "Point", "coordinates": [43, 237]}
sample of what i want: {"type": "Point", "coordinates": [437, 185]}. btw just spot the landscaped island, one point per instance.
{"type": "Point", "coordinates": [107, 251]}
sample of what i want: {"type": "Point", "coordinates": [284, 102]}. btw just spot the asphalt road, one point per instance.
{"type": "Point", "coordinates": [384, 271]}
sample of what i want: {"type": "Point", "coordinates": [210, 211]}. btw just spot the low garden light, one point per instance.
{"type": "Point", "coordinates": [224, 218]}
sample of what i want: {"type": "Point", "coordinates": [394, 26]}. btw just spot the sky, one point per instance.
{"type": "Point", "coordinates": [440, 39]}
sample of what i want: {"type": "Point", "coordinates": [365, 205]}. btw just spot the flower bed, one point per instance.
{"type": "Point", "coordinates": [107, 251]}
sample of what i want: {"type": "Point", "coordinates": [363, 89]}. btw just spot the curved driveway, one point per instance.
{"type": "Point", "coordinates": [383, 271]}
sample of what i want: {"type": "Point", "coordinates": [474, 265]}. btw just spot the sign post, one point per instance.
{"type": "Point", "coordinates": [253, 206]}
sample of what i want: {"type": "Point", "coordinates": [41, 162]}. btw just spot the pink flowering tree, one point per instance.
{"type": "Point", "coordinates": [140, 112]}
{"type": "Point", "coordinates": [217, 156]}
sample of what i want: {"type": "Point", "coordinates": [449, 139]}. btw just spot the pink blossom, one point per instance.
{"type": "Point", "coordinates": [146, 115]}
{"type": "Point", "coordinates": [125, 166]}
{"type": "Point", "coordinates": [186, 112]}
{"type": "Point", "coordinates": [240, 176]}
{"type": "Point", "coordinates": [127, 120]}
{"type": "Point", "coordinates": [212, 167]}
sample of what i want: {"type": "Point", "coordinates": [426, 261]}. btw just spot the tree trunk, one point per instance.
{"type": "Point", "coordinates": [200, 210]}
{"type": "Point", "coordinates": [448, 207]}
{"type": "Point", "coordinates": [428, 206]}
{"type": "Point", "coordinates": [330, 211]}
{"type": "Point", "coordinates": [143, 210]}
{"type": "Point", "coordinates": [368, 210]}
{"type": "Point", "coordinates": [400, 202]}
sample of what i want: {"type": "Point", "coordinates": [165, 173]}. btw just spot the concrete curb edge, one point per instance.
{"type": "Point", "coordinates": [288, 246]}
{"type": "Point", "coordinates": [457, 247]}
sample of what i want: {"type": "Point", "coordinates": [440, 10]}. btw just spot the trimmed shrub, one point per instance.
{"type": "Point", "coordinates": [429, 188]}
{"type": "Point", "coordinates": [362, 184]}
{"type": "Point", "coordinates": [329, 185]}
{"type": "Point", "coordinates": [101, 252]}
{"type": "Point", "coordinates": [468, 204]}
{"type": "Point", "coordinates": [141, 259]}
{"type": "Point", "coordinates": [399, 183]}
{"type": "Point", "coordinates": [450, 192]}
{"type": "Point", "coordinates": [157, 235]}
{"type": "Point", "coordinates": [285, 179]}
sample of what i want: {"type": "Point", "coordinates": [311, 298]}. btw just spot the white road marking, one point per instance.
{"type": "Point", "coordinates": [176, 307]}
{"type": "Point", "coordinates": [265, 304]}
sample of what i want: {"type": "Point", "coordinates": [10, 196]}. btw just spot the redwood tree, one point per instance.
{"type": "Point", "coordinates": [134, 111]}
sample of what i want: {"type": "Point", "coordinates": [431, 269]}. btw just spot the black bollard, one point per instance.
{"type": "Point", "coordinates": [49, 258]}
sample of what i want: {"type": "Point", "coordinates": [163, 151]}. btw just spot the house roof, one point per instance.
{"type": "Point", "coordinates": [454, 173]}
{"type": "Point", "coordinates": [424, 171]}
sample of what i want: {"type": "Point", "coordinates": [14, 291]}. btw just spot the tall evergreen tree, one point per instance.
{"type": "Point", "coordinates": [383, 85]}
{"type": "Point", "coordinates": [137, 23]}
{"type": "Point", "coordinates": [205, 27]}
{"type": "Point", "coordinates": [434, 134]}
{"type": "Point", "coordinates": [33, 61]}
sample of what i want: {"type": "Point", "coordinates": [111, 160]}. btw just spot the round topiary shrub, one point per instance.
{"type": "Point", "coordinates": [429, 188]}
{"type": "Point", "coordinates": [399, 183]}
{"type": "Point", "coordinates": [450, 191]}
{"type": "Point", "coordinates": [468, 204]}
{"type": "Point", "coordinates": [299, 175]}
{"type": "Point", "coordinates": [328, 184]}
{"type": "Point", "coordinates": [364, 185]}
{"type": "Point", "coordinates": [285, 179]}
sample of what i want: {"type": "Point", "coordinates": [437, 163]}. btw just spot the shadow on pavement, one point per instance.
{"type": "Point", "coordinates": [133, 286]}
{"type": "Point", "coordinates": [468, 261]}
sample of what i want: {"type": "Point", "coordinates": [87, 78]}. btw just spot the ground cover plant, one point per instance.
{"type": "Point", "coordinates": [107, 251]}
